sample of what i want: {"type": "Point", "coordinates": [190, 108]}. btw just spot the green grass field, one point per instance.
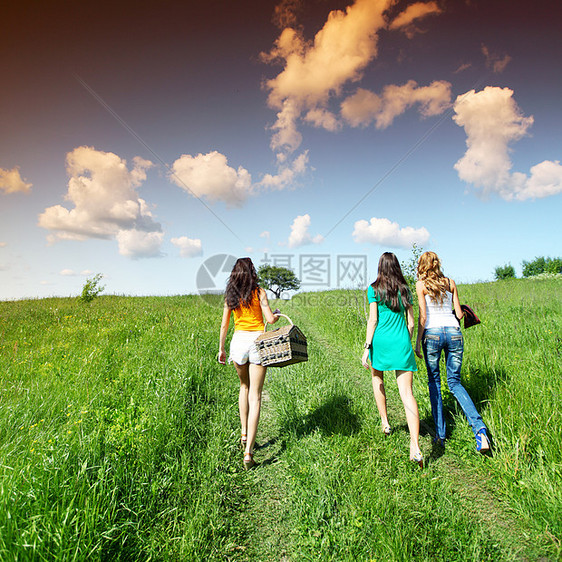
{"type": "Point", "coordinates": [119, 437]}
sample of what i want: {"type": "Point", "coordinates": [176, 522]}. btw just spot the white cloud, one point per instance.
{"type": "Point", "coordinates": [299, 233]}
{"type": "Point", "coordinates": [106, 203]}
{"type": "Point", "coordinates": [361, 108]}
{"type": "Point", "coordinates": [383, 232]}
{"type": "Point", "coordinates": [494, 61]}
{"type": "Point", "coordinates": [324, 119]}
{"type": "Point", "coordinates": [86, 272]}
{"type": "Point", "coordinates": [68, 273]}
{"type": "Point", "coordinates": [492, 120]}
{"type": "Point", "coordinates": [210, 176]}
{"type": "Point", "coordinates": [3, 244]}
{"type": "Point", "coordinates": [287, 138]}
{"type": "Point", "coordinates": [189, 247]}
{"type": "Point", "coordinates": [364, 106]}
{"type": "Point", "coordinates": [405, 20]}
{"type": "Point", "coordinates": [139, 243]}
{"type": "Point", "coordinates": [462, 68]}
{"type": "Point", "coordinates": [12, 182]}
{"type": "Point", "coordinates": [545, 180]}
{"type": "Point", "coordinates": [285, 13]}
{"type": "Point", "coordinates": [287, 173]}
{"type": "Point", "coordinates": [313, 71]}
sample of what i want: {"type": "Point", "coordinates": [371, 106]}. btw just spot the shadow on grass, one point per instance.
{"type": "Point", "coordinates": [480, 383]}
{"type": "Point", "coordinates": [334, 416]}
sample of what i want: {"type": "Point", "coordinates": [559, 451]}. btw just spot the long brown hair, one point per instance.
{"type": "Point", "coordinates": [242, 284]}
{"type": "Point", "coordinates": [390, 286]}
{"type": "Point", "coordinates": [429, 271]}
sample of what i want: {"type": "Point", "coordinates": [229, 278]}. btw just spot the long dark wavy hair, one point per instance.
{"type": "Point", "coordinates": [242, 284]}
{"type": "Point", "coordinates": [390, 286]}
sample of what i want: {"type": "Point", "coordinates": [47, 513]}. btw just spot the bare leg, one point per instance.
{"type": "Point", "coordinates": [257, 377]}
{"type": "Point", "coordinates": [380, 395]}
{"type": "Point", "coordinates": [404, 380]}
{"type": "Point", "coordinates": [244, 375]}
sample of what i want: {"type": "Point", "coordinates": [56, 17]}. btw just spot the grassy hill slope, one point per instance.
{"type": "Point", "coordinates": [119, 437]}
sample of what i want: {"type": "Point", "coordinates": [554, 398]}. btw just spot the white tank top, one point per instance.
{"type": "Point", "coordinates": [440, 315]}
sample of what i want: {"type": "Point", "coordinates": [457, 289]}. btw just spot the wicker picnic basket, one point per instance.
{"type": "Point", "coordinates": [283, 346]}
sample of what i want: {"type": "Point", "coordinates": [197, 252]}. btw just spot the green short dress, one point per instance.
{"type": "Point", "coordinates": [392, 348]}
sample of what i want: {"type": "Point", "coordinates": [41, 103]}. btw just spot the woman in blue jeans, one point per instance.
{"type": "Point", "coordinates": [439, 330]}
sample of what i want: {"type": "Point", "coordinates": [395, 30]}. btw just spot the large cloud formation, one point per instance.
{"type": "Point", "coordinates": [383, 232]}
{"type": "Point", "coordinates": [12, 182]}
{"type": "Point", "coordinates": [492, 120]}
{"type": "Point", "coordinates": [315, 72]}
{"type": "Point", "coordinates": [106, 204]}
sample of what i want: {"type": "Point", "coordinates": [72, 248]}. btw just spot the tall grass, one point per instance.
{"type": "Point", "coordinates": [113, 425]}
{"type": "Point", "coordinates": [119, 437]}
{"type": "Point", "coordinates": [355, 491]}
{"type": "Point", "coordinates": [513, 367]}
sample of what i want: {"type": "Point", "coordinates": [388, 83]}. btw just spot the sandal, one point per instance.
{"type": "Point", "coordinates": [249, 461]}
{"type": "Point", "coordinates": [387, 430]}
{"type": "Point", "coordinates": [418, 457]}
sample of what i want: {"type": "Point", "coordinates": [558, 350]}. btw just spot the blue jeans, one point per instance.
{"type": "Point", "coordinates": [434, 341]}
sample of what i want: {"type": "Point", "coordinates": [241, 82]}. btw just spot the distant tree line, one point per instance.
{"type": "Point", "coordinates": [530, 268]}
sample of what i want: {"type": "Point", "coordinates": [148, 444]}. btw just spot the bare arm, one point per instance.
{"type": "Point", "coordinates": [223, 331]}
{"type": "Point", "coordinates": [420, 291]}
{"type": "Point", "coordinates": [410, 320]}
{"type": "Point", "coordinates": [265, 308]}
{"type": "Point", "coordinates": [371, 327]}
{"type": "Point", "coordinates": [456, 302]}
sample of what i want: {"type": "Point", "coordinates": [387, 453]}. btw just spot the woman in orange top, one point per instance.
{"type": "Point", "coordinates": [247, 302]}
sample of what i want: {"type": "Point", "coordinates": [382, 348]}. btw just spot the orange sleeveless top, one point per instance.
{"type": "Point", "coordinates": [249, 319]}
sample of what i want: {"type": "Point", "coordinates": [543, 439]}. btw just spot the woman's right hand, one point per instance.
{"type": "Point", "coordinates": [222, 357]}
{"type": "Point", "coordinates": [418, 351]}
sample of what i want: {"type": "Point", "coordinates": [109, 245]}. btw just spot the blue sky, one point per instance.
{"type": "Point", "coordinates": [140, 141]}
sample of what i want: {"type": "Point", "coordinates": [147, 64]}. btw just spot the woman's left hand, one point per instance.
{"type": "Point", "coordinates": [418, 351]}
{"type": "Point", "coordinates": [222, 357]}
{"type": "Point", "coordinates": [365, 359]}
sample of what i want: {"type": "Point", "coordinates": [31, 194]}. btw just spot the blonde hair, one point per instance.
{"type": "Point", "coordinates": [429, 271]}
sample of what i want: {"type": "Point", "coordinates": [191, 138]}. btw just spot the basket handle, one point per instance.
{"type": "Point", "coordinates": [278, 314]}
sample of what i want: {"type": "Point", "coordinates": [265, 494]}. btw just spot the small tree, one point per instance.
{"type": "Point", "coordinates": [410, 267]}
{"type": "Point", "coordinates": [92, 288]}
{"type": "Point", "coordinates": [542, 265]}
{"type": "Point", "coordinates": [277, 279]}
{"type": "Point", "coordinates": [504, 272]}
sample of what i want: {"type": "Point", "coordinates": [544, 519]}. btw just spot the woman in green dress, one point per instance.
{"type": "Point", "coordinates": [388, 344]}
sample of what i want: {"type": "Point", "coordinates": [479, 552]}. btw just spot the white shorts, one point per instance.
{"type": "Point", "coordinates": [243, 348]}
